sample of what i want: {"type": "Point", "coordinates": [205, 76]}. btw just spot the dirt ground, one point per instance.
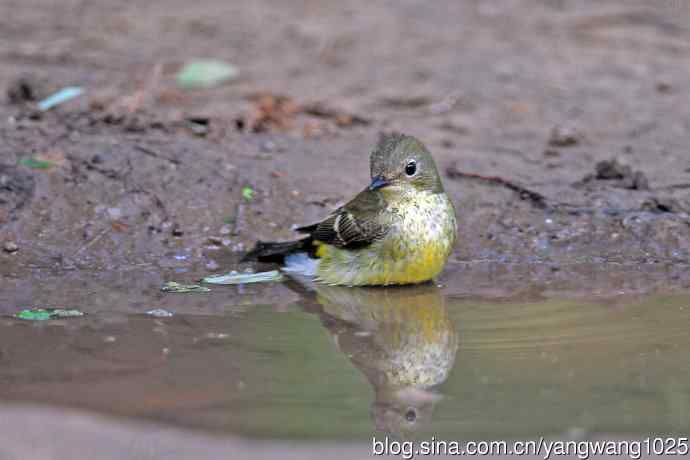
{"type": "Point", "coordinates": [583, 105]}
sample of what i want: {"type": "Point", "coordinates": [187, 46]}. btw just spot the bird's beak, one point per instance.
{"type": "Point", "coordinates": [378, 182]}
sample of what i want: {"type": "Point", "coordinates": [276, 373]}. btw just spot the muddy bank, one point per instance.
{"type": "Point", "coordinates": [578, 109]}
{"type": "Point", "coordinates": [165, 199]}
{"type": "Point", "coordinates": [108, 438]}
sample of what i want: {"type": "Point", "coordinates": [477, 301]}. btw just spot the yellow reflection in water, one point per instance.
{"type": "Point", "coordinates": [401, 339]}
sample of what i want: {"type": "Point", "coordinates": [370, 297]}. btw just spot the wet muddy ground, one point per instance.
{"type": "Point", "coordinates": [560, 127]}
{"type": "Point", "coordinates": [144, 171]}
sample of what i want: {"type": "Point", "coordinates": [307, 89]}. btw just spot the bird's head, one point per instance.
{"type": "Point", "coordinates": [402, 163]}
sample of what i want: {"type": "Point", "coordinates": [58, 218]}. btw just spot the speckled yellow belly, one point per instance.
{"type": "Point", "coordinates": [369, 267]}
{"type": "Point", "coordinates": [414, 252]}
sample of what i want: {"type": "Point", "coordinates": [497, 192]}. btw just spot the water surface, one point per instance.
{"type": "Point", "coordinates": [340, 364]}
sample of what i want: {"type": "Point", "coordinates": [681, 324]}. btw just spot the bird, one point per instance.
{"type": "Point", "coordinates": [401, 229]}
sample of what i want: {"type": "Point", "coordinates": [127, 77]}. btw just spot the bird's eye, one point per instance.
{"type": "Point", "coordinates": [411, 168]}
{"type": "Point", "coordinates": [411, 415]}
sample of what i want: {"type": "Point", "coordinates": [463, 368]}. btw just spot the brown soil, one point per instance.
{"type": "Point", "coordinates": [533, 94]}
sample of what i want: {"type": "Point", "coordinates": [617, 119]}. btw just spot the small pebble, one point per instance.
{"type": "Point", "coordinates": [663, 87]}
{"type": "Point", "coordinates": [11, 247]}
{"type": "Point", "coordinates": [564, 137]}
{"type": "Point", "coordinates": [268, 146]}
{"type": "Point", "coordinates": [212, 265]}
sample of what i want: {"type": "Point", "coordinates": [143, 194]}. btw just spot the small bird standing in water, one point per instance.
{"type": "Point", "coordinates": [399, 230]}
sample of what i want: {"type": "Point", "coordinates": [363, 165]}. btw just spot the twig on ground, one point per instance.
{"type": "Point", "coordinates": [154, 154]}
{"type": "Point", "coordinates": [239, 219]}
{"type": "Point", "coordinates": [535, 198]}
{"type": "Point", "coordinates": [135, 101]}
{"type": "Point", "coordinates": [92, 241]}
{"type": "Point", "coordinates": [681, 186]}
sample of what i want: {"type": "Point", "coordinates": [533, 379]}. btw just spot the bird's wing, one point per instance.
{"type": "Point", "coordinates": [354, 225]}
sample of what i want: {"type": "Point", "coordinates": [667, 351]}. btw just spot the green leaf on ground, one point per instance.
{"type": "Point", "coordinates": [35, 163]}
{"type": "Point", "coordinates": [247, 193]}
{"type": "Point", "coordinates": [244, 278]}
{"type": "Point", "coordinates": [173, 286]}
{"type": "Point", "coordinates": [44, 314]}
{"type": "Point", "coordinates": [205, 73]}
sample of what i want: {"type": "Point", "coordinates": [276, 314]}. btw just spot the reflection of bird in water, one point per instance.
{"type": "Point", "coordinates": [401, 339]}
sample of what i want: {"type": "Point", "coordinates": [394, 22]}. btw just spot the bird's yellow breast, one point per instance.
{"type": "Point", "coordinates": [420, 265]}
{"type": "Point", "coordinates": [414, 250]}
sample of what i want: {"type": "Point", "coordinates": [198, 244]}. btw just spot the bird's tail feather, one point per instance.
{"type": "Point", "coordinates": [265, 251]}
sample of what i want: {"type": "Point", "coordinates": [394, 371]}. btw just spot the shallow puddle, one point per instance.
{"type": "Point", "coordinates": [340, 364]}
